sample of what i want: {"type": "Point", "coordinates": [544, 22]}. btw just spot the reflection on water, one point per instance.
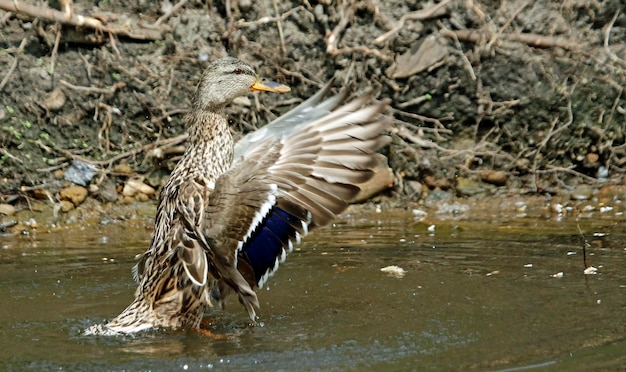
{"type": "Point", "coordinates": [476, 295]}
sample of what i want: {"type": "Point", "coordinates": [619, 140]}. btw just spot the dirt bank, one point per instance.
{"type": "Point", "coordinates": [506, 97]}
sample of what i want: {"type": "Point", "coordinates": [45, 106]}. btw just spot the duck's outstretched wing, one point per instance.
{"type": "Point", "coordinates": [310, 110]}
{"type": "Point", "coordinates": [285, 186]}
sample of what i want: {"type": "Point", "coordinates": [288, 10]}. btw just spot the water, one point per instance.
{"type": "Point", "coordinates": [476, 295]}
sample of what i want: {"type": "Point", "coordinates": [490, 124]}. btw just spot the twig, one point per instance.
{"type": "Point", "coordinates": [279, 25]}
{"type": "Point", "coordinates": [161, 143]}
{"type": "Point", "coordinates": [333, 38]}
{"type": "Point", "coordinates": [405, 133]}
{"type": "Point", "coordinates": [422, 14]}
{"type": "Point", "coordinates": [5, 18]}
{"type": "Point", "coordinates": [11, 69]}
{"type": "Point", "coordinates": [138, 150]}
{"type": "Point", "coordinates": [229, 16]}
{"type": "Point", "coordinates": [50, 14]}
{"type": "Point", "coordinates": [517, 11]}
{"type": "Point", "coordinates": [87, 65]}
{"type": "Point", "coordinates": [436, 122]}
{"type": "Point", "coordinates": [570, 170]}
{"type": "Point", "coordinates": [298, 75]}
{"type": "Point", "coordinates": [607, 35]}
{"type": "Point", "coordinates": [169, 13]}
{"type": "Point", "coordinates": [534, 40]}
{"type": "Point", "coordinates": [466, 62]}
{"type": "Point", "coordinates": [53, 168]}
{"type": "Point", "coordinates": [264, 20]}
{"type": "Point", "coordinates": [363, 49]}
{"type": "Point", "coordinates": [114, 44]}
{"type": "Point", "coordinates": [585, 244]}
{"type": "Point", "coordinates": [11, 156]}
{"type": "Point", "coordinates": [112, 89]}
{"type": "Point", "coordinates": [549, 135]}
{"type": "Point", "coordinates": [67, 8]}
{"type": "Point", "coordinates": [77, 20]}
{"type": "Point", "coordinates": [55, 49]}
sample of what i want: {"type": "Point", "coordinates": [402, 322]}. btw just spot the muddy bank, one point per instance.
{"type": "Point", "coordinates": [583, 203]}
{"type": "Point", "coordinates": [503, 98]}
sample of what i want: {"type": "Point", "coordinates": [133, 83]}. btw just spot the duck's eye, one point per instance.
{"type": "Point", "coordinates": [238, 71]}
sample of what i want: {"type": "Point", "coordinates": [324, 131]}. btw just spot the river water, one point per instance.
{"type": "Point", "coordinates": [477, 293]}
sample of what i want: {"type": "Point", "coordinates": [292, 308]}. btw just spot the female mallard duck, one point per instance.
{"type": "Point", "coordinates": [223, 225]}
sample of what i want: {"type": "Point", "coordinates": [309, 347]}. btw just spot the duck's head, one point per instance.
{"type": "Point", "coordinates": [227, 79]}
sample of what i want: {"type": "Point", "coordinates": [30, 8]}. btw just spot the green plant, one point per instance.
{"type": "Point", "coordinates": [11, 129]}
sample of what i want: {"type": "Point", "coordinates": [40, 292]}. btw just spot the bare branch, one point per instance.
{"type": "Point", "coordinates": [73, 19]}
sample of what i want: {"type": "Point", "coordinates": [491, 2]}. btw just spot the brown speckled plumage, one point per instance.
{"type": "Point", "coordinates": [211, 230]}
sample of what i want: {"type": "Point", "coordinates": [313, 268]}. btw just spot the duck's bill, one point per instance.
{"type": "Point", "coordinates": [270, 86]}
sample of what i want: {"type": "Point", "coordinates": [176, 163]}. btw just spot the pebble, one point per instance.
{"type": "Point", "coordinates": [470, 187]}
{"type": "Point", "coordinates": [142, 197]}
{"type": "Point", "coordinates": [382, 180]}
{"type": "Point", "coordinates": [590, 270]}
{"type": "Point", "coordinates": [498, 178]}
{"type": "Point", "coordinates": [414, 189]}
{"type": "Point", "coordinates": [75, 194]}
{"type": "Point", "coordinates": [245, 5]}
{"type": "Point", "coordinates": [42, 194]}
{"type": "Point", "coordinates": [134, 187]}
{"type": "Point", "coordinates": [66, 206]}
{"type": "Point", "coordinates": [437, 183]}
{"type": "Point", "coordinates": [108, 191]}
{"type": "Point", "coordinates": [395, 271]}
{"type": "Point", "coordinates": [80, 173]}
{"type": "Point", "coordinates": [122, 168]}
{"type": "Point", "coordinates": [582, 192]}
{"type": "Point", "coordinates": [7, 209]}
{"type": "Point", "coordinates": [592, 158]}
{"type": "Point", "coordinates": [612, 192]}
{"type": "Point", "coordinates": [55, 100]}
{"type": "Point", "coordinates": [522, 165]}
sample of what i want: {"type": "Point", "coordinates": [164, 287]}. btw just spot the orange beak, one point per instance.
{"type": "Point", "coordinates": [269, 86]}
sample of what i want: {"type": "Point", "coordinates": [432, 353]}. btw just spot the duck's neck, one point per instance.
{"type": "Point", "coordinates": [210, 149]}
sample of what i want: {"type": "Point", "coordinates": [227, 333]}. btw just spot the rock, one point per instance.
{"type": "Point", "coordinates": [108, 191]}
{"type": "Point", "coordinates": [7, 209]}
{"type": "Point", "coordinates": [242, 101]}
{"type": "Point", "coordinates": [437, 197]}
{"type": "Point", "coordinates": [497, 178]}
{"type": "Point", "coordinates": [414, 189]}
{"type": "Point", "coordinates": [469, 187]}
{"type": "Point", "coordinates": [80, 173]}
{"type": "Point", "coordinates": [591, 159]}
{"type": "Point", "coordinates": [74, 194]}
{"type": "Point", "coordinates": [142, 197]}
{"type": "Point", "coordinates": [157, 178]}
{"type": "Point", "coordinates": [43, 194]}
{"type": "Point", "coordinates": [55, 100]}
{"type": "Point", "coordinates": [522, 165]}
{"type": "Point", "coordinates": [431, 51]}
{"type": "Point", "coordinates": [134, 187]}
{"type": "Point", "coordinates": [122, 168]}
{"type": "Point", "coordinates": [612, 192]}
{"type": "Point", "coordinates": [437, 183]}
{"type": "Point", "coordinates": [582, 192]}
{"type": "Point", "coordinates": [382, 180]}
{"type": "Point", "coordinates": [66, 206]}
{"type": "Point", "coordinates": [245, 5]}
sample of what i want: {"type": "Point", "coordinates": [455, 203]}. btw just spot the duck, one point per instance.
{"type": "Point", "coordinates": [231, 211]}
